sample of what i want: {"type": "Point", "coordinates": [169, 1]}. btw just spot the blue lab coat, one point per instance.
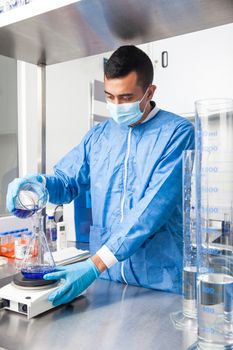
{"type": "Point", "coordinates": [135, 179]}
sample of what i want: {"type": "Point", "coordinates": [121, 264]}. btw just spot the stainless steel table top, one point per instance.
{"type": "Point", "coordinates": [111, 316]}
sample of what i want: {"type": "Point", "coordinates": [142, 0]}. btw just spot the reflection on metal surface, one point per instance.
{"type": "Point", "coordinates": [127, 25]}
{"type": "Point", "coordinates": [89, 27]}
{"type": "Point", "coordinates": [110, 314]}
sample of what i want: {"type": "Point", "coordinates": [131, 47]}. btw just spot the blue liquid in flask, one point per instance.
{"type": "Point", "coordinates": [23, 213]}
{"type": "Point", "coordinates": [36, 272]}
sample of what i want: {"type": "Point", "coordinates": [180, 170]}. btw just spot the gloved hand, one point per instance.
{"type": "Point", "coordinates": [78, 277]}
{"type": "Point", "coordinates": [13, 188]}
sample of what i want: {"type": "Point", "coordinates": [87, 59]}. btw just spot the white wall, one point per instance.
{"type": "Point", "coordinates": [199, 66]}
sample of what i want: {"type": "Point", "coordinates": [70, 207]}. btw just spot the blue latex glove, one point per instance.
{"type": "Point", "coordinates": [13, 189]}
{"type": "Point", "coordinates": [78, 277]}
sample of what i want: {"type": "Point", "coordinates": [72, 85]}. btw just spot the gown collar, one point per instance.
{"type": "Point", "coordinates": [152, 113]}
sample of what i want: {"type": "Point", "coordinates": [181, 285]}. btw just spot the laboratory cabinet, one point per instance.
{"type": "Point", "coordinates": [193, 66]}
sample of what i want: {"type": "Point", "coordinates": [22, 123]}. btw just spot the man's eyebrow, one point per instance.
{"type": "Point", "coordinates": [126, 94]}
{"type": "Point", "coordinates": [106, 92]}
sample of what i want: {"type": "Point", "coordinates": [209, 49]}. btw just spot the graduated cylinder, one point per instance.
{"type": "Point", "coordinates": [214, 204]}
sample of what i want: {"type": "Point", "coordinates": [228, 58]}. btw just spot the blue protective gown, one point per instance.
{"type": "Point", "coordinates": [135, 179]}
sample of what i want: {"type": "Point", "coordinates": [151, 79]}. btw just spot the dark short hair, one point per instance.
{"type": "Point", "coordinates": [127, 59]}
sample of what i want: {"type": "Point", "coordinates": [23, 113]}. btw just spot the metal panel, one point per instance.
{"type": "Point", "coordinates": [41, 157]}
{"type": "Point", "coordinates": [96, 94]}
{"type": "Point", "coordinates": [91, 27]}
{"type": "Point", "coordinates": [98, 89]}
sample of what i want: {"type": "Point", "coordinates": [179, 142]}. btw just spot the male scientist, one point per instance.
{"type": "Point", "coordinates": [132, 164]}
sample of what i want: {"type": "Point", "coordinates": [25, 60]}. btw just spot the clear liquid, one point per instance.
{"type": "Point", "coordinates": [187, 318]}
{"type": "Point", "coordinates": [215, 311]}
{"type": "Point", "coordinates": [190, 291]}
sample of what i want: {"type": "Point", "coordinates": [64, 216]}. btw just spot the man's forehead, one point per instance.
{"type": "Point", "coordinates": [130, 78]}
{"type": "Point", "coordinates": [122, 85]}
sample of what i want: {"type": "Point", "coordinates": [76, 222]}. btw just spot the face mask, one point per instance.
{"type": "Point", "coordinates": [126, 113]}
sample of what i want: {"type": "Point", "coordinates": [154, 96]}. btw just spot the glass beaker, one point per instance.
{"type": "Point", "coordinates": [214, 193]}
{"type": "Point", "coordinates": [187, 318]}
{"type": "Point", "coordinates": [38, 259]}
{"type": "Point", "coordinates": [32, 197]}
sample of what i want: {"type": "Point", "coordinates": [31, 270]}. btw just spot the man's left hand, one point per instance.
{"type": "Point", "coordinates": [78, 277]}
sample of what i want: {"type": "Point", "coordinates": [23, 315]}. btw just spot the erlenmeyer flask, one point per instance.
{"type": "Point", "coordinates": [32, 197]}
{"type": "Point", "coordinates": [38, 259]}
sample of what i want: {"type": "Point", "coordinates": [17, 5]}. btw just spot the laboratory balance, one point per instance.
{"type": "Point", "coordinates": [25, 298]}
{"type": "Point", "coordinates": [28, 292]}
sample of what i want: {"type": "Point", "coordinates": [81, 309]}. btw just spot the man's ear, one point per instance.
{"type": "Point", "coordinates": [152, 91]}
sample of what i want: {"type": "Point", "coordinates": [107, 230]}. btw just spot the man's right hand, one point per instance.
{"type": "Point", "coordinates": [14, 186]}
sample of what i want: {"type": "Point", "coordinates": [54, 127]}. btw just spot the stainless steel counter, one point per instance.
{"type": "Point", "coordinates": [111, 316]}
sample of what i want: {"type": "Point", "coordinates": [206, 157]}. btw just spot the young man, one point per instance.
{"type": "Point", "coordinates": [132, 165]}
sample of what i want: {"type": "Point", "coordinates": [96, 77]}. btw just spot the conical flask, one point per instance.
{"type": "Point", "coordinates": [38, 259]}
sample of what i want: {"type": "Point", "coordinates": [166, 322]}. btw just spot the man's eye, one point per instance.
{"type": "Point", "coordinates": [109, 98]}
{"type": "Point", "coordinates": [127, 98]}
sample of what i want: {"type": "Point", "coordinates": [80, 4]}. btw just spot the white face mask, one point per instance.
{"type": "Point", "coordinates": [126, 113]}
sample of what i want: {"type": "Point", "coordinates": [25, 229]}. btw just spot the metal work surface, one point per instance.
{"type": "Point", "coordinates": [90, 27]}
{"type": "Point", "coordinates": [111, 316]}
{"type": "Point", "coordinates": [8, 270]}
